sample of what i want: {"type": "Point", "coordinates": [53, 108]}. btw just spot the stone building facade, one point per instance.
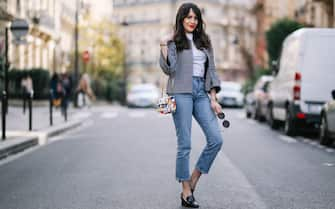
{"type": "Point", "coordinates": [142, 23]}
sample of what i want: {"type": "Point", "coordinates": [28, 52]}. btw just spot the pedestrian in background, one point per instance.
{"type": "Point", "coordinates": [84, 91]}
{"type": "Point", "coordinates": [66, 82]}
{"type": "Point", "coordinates": [187, 58]}
{"type": "Point", "coordinates": [27, 89]}
{"type": "Point", "coordinates": [57, 90]}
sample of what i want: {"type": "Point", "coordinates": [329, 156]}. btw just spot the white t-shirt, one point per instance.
{"type": "Point", "coordinates": [199, 58]}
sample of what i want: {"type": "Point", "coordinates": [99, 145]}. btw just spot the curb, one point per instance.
{"type": "Point", "coordinates": [13, 146]}
{"type": "Point", "coordinates": [19, 144]}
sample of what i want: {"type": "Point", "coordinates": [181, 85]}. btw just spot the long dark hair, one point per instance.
{"type": "Point", "coordinates": [200, 38]}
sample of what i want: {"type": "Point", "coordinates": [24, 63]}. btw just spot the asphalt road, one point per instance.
{"type": "Point", "coordinates": [125, 158]}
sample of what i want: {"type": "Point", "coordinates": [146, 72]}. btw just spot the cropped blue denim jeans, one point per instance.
{"type": "Point", "coordinates": [198, 105]}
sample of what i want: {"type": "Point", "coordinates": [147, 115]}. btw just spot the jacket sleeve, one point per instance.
{"type": "Point", "coordinates": [169, 66]}
{"type": "Point", "coordinates": [215, 81]}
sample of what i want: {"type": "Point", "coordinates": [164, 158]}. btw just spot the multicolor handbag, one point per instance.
{"type": "Point", "coordinates": [166, 105]}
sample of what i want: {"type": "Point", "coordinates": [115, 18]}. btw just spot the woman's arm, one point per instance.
{"type": "Point", "coordinates": [168, 56]}
{"type": "Point", "coordinates": [214, 104]}
{"type": "Point", "coordinates": [164, 50]}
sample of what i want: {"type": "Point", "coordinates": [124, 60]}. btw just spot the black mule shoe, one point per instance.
{"type": "Point", "coordinates": [190, 202]}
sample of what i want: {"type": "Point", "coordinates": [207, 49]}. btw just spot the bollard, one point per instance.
{"type": "Point", "coordinates": [3, 113]}
{"type": "Point", "coordinates": [24, 103]}
{"type": "Point", "coordinates": [50, 108]}
{"type": "Point", "coordinates": [65, 112]}
{"type": "Point", "coordinates": [30, 111]}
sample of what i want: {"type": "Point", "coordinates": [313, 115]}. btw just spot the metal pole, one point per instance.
{"type": "Point", "coordinates": [6, 68]}
{"type": "Point", "coordinates": [65, 112]}
{"type": "Point", "coordinates": [24, 102]}
{"type": "Point", "coordinates": [3, 105]}
{"type": "Point", "coordinates": [30, 111]}
{"type": "Point", "coordinates": [76, 37]}
{"type": "Point", "coordinates": [4, 92]}
{"type": "Point", "coordinates": [50, 108]}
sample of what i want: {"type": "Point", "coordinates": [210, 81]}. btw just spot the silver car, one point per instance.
{"type": "Point", "coordinates": [143, 95]}
{"type": "Point", "coordinates": [327, 128]}
{"type": "Point", "coordinates": [230, 94]}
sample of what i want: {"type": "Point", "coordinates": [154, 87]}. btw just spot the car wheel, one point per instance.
{"type": "Point", "coordinates": [324, 136]}
{"type": "Point", "coordinates": [289, 127]}
{"type": "Point", "coordinates": [248, 114]}
{"type": "Point", "coordinates": [273, 123]}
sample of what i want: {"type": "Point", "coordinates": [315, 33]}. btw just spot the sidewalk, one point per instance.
{"type": "Point", "coordinates": [18, 136]}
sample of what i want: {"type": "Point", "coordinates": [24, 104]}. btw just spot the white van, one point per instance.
{"type": "Point", "coordinates": [304, 81]}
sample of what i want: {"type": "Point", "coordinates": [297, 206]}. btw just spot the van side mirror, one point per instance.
{"type": "Point", "coordinates": [274, 67]}
{"type": "Point", "coordinates": [333, 94]}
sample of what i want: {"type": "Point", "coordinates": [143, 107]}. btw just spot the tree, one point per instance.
{"type": "Point", "coordinates": [106, 64]}
{"type": "Point", "coordinates": [106, 49]}
{"type": "Point", "coordinates": [276, 35]}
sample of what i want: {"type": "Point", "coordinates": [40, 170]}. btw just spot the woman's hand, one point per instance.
{"type": "Point", "coordinates": [214, 104]}
{"type": "Point", "coordinates": [216, 107]}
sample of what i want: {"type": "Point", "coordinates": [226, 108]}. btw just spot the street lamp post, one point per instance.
{"type": "Point", "coordinates": [76, 37]}
{"type": "Point", "coordinates": [19, 28]}
{"type": "Point", "coordinates": [4, 92]}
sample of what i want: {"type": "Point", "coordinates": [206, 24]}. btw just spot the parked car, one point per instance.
{"type": "Point", "coordinates": [249, 104]}
{"type": "Point", "coordinates": [230, 94]}
{"type": "Point", "coordinates": [304, 79]}
{"type": "Point", "coordinates": [259, 98]}
{"type": "Point", "coordinates": [327, 129]}
{"type": "Point", "coordinates": [143, 95]}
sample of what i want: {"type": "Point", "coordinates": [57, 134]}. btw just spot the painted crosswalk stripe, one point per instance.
{"type": "Point", "coordinates": [328, 164]}
{"type": "Point", "coordinates": [251, 121]}
{"type": "Point", "coordinates": [110, 115]}
{"type": "Point", "coordinates": [287, 139]}
{"type": "Point", "coordinates": [241, 115]}
{"type": "Point", "coordinates": [330, 150]}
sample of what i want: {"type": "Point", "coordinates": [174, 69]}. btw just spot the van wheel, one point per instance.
{"type": "Point", "coordinates": [289, 127]}
{"type": "Point", "coordinates": [257, 115]}
{"type": "Point", "coordinates": [324, 136]}
{"type": "Point", "coordinates": [273, 123]}
{"type": "Point", "coordinates": [248, 114]}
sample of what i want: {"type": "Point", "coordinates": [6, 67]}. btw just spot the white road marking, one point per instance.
{"type": "Point", "coordinates": [313, 143]}
{"type": "Point", "coordinates": [241, 115]}
{"type": "Point", "coordinates": [251, 122]}
{"type": "Point", "coordinates": [110, 115]}
{"type": "Point", "coordinates": [287, 139]}
{"type": "Point", "coordinates": [330, 150]}
{"type": "Point", "coordinates": [136, 114]}
{"type": "Point", "coordinates": [328, 164]}
{"type": "Point", "coordinates": [82, 115]}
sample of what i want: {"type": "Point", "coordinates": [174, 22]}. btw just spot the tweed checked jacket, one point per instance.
{"type": "Point", "coordinates": [179, 68]}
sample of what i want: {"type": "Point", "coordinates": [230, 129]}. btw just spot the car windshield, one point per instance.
{"type": "Point", "coordinates": [231, 87]}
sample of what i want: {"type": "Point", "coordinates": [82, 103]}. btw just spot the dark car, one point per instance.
{"type": "Point", "coordinates": [327, 128]}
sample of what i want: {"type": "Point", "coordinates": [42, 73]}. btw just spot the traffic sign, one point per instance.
{"type": "Point", "coordinates": [19, 28]}
{"type": "Point", "coordinates": [86, 56]}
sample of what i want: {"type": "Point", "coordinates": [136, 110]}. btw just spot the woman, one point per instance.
{"type": "Point", "coordinates": [188, 60]}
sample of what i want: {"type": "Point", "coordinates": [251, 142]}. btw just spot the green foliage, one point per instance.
{"type": "Point", "coordinates": [106, 65]}
{"type": "Point", "coordinates": [108, 86]}
{"type": "Point", "coordinates": [277, 34]}
{"type": "Point", "coordinates": [39, 76]}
